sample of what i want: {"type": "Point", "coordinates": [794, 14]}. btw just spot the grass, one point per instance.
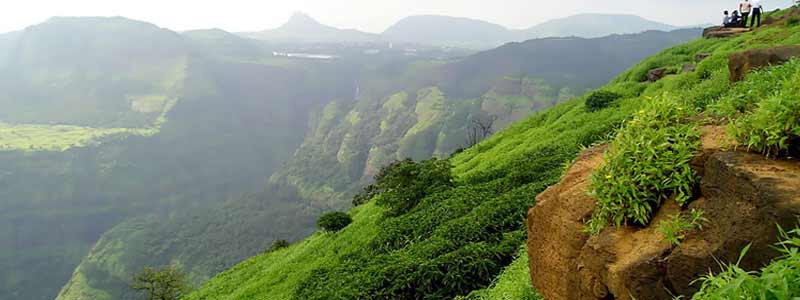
{"type": "Point", "coordinates": [52, 137]}
{"type": "Point", "coordinates": [675, 229]}
{"type": "Point", "coordinates": [451, 242]}
{"type": "Point", "coordinates": [778, 280]}
{"type": "Point", "coordinates": [513, 284]}
{"type": "Point", "coordinates": [276, 275]}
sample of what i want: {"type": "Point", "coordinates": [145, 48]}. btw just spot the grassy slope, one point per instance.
{"type": "Point", "coordinates": [720, 49]}
{"type": "Point", "coordinates": [568, 125]}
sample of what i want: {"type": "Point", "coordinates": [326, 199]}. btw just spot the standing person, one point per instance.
{"type": "Point", "coordinates": [744, 8]}
{"type": "Point", "coordinates": [757, 10]}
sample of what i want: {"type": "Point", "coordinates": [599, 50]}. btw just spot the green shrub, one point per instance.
{"type": "Point", "coordinates": [792, 21]}
{"type": "Point", "coordinates": [600, 99]}
{"type": "Point", "coordinates": [778, 280]}
{"type": "Point", "coordinates": [403, 184]}
{"type": "Point", "coordinates": [647, 163]}
{"type": "Point", "coordinates": [334, 221]}
{"type": "Point", "coordinates": [773, 127]}
{"type": "Point", "coordinates": [277, 245]}
{"type": "Point", "coordinates": [675, 229]}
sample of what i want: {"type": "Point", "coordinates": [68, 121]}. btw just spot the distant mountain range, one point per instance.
{"type": "Point", "coordinates": [460, 32]}
{"type": "Point", "coordinates": [303, 28]}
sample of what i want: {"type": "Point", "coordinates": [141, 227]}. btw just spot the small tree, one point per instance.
{"type": "Point", "coordinates": [601, 99]}
{"type": "Point", "coordinates": [403, 184]}
{"type": "Point", "coordinates": [479, 129]}
{"type": "Point", "coordinates": [277, 245]}
{"type": "Point", "coordinates": [166, 283]}
{"type": "Point", "coordinates": [334, 221]}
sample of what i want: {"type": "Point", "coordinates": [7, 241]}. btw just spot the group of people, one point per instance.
{"type": "Point", "coordinates": [748, 9]}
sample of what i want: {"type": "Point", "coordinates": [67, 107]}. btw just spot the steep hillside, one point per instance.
{"type": "Point", "coordinates": [301, 28]}
{"type": "Point", "coordinates": [430, 108]}
{"type": "Point", "coordinates": [421, 240]}
{"type": "Point", "coordinates": [60, 68]}
{"type": "Point", "coordinates": [594, 25]}
{"type": "Point", "coordinates": [226, 45]}
{"type": "Point", "coordinates": [227, 125]}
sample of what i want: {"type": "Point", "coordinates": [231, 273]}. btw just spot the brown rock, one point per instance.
{"type": "Point", "coordinates": [555, 229]}
{"type": "Point", "coordinates": [741, 63]}
{"type": "Point", "coordinates": [723, 32]}
{"type": "Point", "coordinates": [687, 68]}
{"type": "Point", "coordinates": [656, 74]}
{"type": "Point", "coordinates": [701, 56]}
{"type": "Point", "coordinates": [744, 195]}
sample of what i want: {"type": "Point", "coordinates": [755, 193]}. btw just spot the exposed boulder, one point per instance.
{"type": "Point", "coordinates": [656, 74]}
{"type": "Point", "coordinates": [701, 56]}
{"type": "Point", "coordinates": [741, 63]}
{"type": "Point", "coordinates": [744, 196]}
{"type": "Point", "coordinates": [688, 68]}
{"type": "Point", "coordinates": [555, 228]}
{"type": "Point", "coordinates": [790, 14]}
{"type": "Point", "coordinates": [723, 32]}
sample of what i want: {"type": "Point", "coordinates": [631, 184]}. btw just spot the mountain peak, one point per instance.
{"type": "Point", "coordinates": [301, 20]}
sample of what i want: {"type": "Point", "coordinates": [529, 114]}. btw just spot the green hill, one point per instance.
{"type": "Point", "coordinates": [455, 239]}
{"type": "Point", "coordinates": [428, 109]}
{"type": "Point", "coordinates": [226, 125]}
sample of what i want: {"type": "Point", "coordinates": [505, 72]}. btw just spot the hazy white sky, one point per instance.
{"type": "Point", "coordinates": [367, 15]}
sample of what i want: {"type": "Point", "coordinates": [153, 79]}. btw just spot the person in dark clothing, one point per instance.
{"type": "Point", "coordinates": [736, 20]}
{"type": "Point", "coordinates": [757, 10]}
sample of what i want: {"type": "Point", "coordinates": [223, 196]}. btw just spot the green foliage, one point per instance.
{"type": "Point", "coordinates": [405, 183]}
{"type": "Point", "coordinates": [675, 229]}
{"type": "Point", "coordinates": [334, 221]}
{"type": "Point", "coordinates": [792, 21]}
{"type": "Point", "coordinates": [647, 163]}
{"type": "Point", "coordinates": [600, 99]}
{"type": "Point", "coordinates": [778, 280]}
{"type": "Point", "coordinates": [165, 283]}
{"type": "Point", "coordinates": [772, 125]}
{"type": "Point", "coordinates": [277, 245]}
{"type": "Point", "coordinates": [513, 284]}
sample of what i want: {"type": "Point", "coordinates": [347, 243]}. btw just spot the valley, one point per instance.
{"type": "Point", "coordinates": [125, 145]}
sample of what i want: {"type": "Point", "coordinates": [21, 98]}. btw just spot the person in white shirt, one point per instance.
{"type": "Point", "coordinates": [744, 8]}
{"type": "Point", "coordinates": [757, 10]}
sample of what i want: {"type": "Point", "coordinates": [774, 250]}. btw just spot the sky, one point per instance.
{"type": "Point", "coordinates": [365, 15]}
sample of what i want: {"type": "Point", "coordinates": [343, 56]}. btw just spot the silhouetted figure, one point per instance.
{"type": "Point", "coordinates": [757, 10]}
{"type": "Point", "coordinates": [745, 7]}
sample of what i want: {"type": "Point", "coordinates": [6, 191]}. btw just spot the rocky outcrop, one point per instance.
{"type": "Point", "coordinates": [723, 32]}
{"type": "Point", "coordinates": [743, 195]}
{"type": "Point", "coordinates": [656, 74]}
{"type": "Point", "coordinates": [741, 63]}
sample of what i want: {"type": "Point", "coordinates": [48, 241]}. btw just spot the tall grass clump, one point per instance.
{"type": "Point", "coordinates": [647, 163]}
{"type": "Point", "coordinates": [772, 125]}
{"type": "Point", "coordinates": [778, 280]}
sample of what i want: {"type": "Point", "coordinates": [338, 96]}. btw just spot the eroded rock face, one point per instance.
{"type": "Point", "coordinates": [723, 32]}
{"type": "Point", "coordinates": [744, 197]}
{"type": "Point", "coordinates": [741, 63]}
{"type": "Point", "coordinates": [555, 229]}
{"type": "Point", "coordinates": [656, 74]}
